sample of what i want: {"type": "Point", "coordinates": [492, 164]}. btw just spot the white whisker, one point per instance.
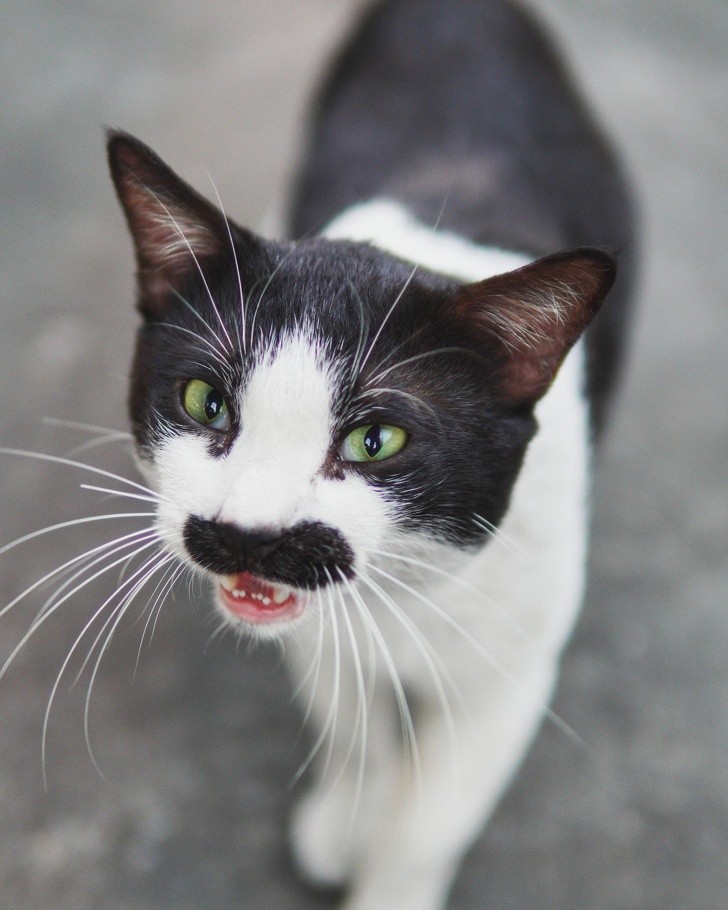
{"type": "Point", "coordinates": [237, 264]}
{"type": "Point", "coordinates": [315, 666]}
{"type": "Point", "coordinates": [497, 534]}
{"type": "Point", "coordinates": [160, 592]}
{"type": "Point", "coordinates": [387, 316]}
{"type": "Point", "coordinates": [417, 357]}
{"type": "Point", "coordinates": [92, 558]}
{"type": "Point", "coordinates": [68, 524]}
{"type": "Point", "coordinates": [216, 355]}
{"type": "Point", "coordinates": [96, 443]}
{"type": "Point", "coordinates": [85, 427]}
{"type": "Point", "coordinates": [465, 586]}
{"type": "Point", "coordinates": [120, 610]}
{"type": "Point", "coordinates": [123, 493]}
{"type": "Point", "coordinates": [57, 459]}
{"type": "Point", "coordinates": [437, 669]}
{"type": "Point", "coordinates": [559, 722]}
{"type": "Point", "coordinates": [328, 728]}
{"type": "Point", "coordinates": [409, 739]}
{"type": "Point", "coordinates": [360, 722]}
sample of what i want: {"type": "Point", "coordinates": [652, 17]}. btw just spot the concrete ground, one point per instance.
{"type": "Point", "coordinates": [197, 748]}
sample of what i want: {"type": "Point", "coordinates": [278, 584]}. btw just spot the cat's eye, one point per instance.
{"type": "Point", "coordinates": [373, 442]}
{"type": "Point", "coordinates": [205, 404]}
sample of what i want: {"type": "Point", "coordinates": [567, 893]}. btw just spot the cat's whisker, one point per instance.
{"type": "Point", "coordinates": [219, 346]}
{"type": "Point", "coordinates": [262, 294]}
{"type": "Point", "coordinates": [387, 316]}
{"type": "Point", "coordinates": [150, 569]}
{"type": "Point", "coordinates": [96, 443]}
{"type": "Point", "coordinates": [153, 609]}
{"type": "Point", "coordinates": [93, 558]}
{"type": "Point", "coordinates": [315, 666]}
{"type": "Point", "coordinates": [465, 586]}
{"type": "Point", "coordinates": [328, 728]}
{"type": "Point", "coordinates": [495, 664]}
{"type": "Point", "coordinates": [214, 353]}
{"type": "Point", "coordinates": [436, 352]}
{"type": "Point", "coordinates": [79, 638]}
{"type": "Point", "coordinates": [84, 427]}
{"type": "Point", "coordinates": [122, 493]}
{"type": "Point", "coordinates": [237, 265]}
{"type": "Point", "coordinates": [169, 589]}
{"type": "Point", "coordinates": [497, 534]}
{"type": "Point", "coordinates": [409, 738]}
{"type": "Point", "coordinates": [332, 724]}
{"type": "Point", "coordinates": [408, 395]}
{"type": "Point", "coordinates": [45, 615]}
{"type": "Point", "coordinates": [435, 666]}
{"type": "Point", "coordinates": [360, 723]}
{"type": "Point", "coordinates": [69, 524]}
{"type": "Point", "coordinates": [162, 558]}
{"type": "Point", "coordinates": [355, 369]}
{"type": "Point", "coordinates": [69, 462]}
{"type": "Point", "coordinates": [59, 570]}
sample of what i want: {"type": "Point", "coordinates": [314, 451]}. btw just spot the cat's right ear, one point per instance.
{"type": "Point", "coordinates": [174, 229]}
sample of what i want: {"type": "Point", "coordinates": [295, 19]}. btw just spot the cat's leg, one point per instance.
{"type": "Point", "coordinates": [416, 848]}
{"type": "Point", "coordinates": [352, 774]}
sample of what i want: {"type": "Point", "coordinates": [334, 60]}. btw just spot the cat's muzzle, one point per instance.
{"type": "Point", "coordinates": [309, 555]}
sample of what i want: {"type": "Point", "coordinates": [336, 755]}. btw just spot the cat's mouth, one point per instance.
{"type": "Point", "coordinates": [254, 600]}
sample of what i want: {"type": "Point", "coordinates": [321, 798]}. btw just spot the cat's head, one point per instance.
{"type": "Point", "coordinates": [303, 408]}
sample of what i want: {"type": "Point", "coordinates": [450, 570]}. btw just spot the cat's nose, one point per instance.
{"type": "Point", "coordinates": [247, 545]}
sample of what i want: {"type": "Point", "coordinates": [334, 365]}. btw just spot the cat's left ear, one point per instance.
{"type": "Point", "coordinates": [528, 319]}
{"type": "Point", "coordinates": [174, 229]}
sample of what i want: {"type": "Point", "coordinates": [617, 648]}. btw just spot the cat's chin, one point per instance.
{"type": "Point", "coordinates": [258, 602]}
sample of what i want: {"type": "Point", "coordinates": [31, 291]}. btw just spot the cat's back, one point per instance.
{"type": "Point", "coordinates": [461, 111]}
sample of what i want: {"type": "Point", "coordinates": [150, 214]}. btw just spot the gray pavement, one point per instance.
{"type": "Point", "coordinates": [197, 748]}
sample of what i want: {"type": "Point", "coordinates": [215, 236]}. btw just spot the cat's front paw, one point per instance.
{"type": "Point", "coordinates": [320, 838]}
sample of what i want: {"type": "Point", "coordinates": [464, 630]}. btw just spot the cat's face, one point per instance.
{"type": "Point", "coordinates": [304, 408]}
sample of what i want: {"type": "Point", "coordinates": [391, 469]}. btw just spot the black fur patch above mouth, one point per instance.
{"type": "Point", "coordinates": [308, 555]}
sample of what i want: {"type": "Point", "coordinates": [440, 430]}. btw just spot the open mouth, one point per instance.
{"type": "Point", "coordinates": [258, 601]}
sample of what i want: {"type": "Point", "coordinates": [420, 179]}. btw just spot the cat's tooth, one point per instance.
{"type": "Point", "coordinates": [281, 595]}
{"type": "Point", "coordinates": [228, 582]}
{"type": "Point", "coordinates": [266, 601]}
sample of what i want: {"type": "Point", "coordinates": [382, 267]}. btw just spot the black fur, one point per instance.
{"type": "Point", "coordinates": [461, 110]}
{"type": "Point", "coordinates": [304, 556]}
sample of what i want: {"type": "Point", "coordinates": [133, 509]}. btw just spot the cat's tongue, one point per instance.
{"type": "Point", "coordinates": [255, 600]}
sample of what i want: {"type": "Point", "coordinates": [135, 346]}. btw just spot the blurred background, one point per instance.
{"type": "Point", "coordinates": [198, 747]}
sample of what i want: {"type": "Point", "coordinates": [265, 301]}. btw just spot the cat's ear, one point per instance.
{"type": "Point", "coordinates": [533, 315]}
{"type": "Point", "coordinates": [174, 228]}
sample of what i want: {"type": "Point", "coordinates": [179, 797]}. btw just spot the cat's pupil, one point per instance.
{"type": "Point", "coordinates": [373, 440]}
{"type": "Point", "coordinates": [213, 404]}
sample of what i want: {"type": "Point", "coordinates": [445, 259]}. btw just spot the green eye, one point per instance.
{"type": "Point", "coordinates": [206, 405]}
{"type": "Point", "coordinates": [374, 442]}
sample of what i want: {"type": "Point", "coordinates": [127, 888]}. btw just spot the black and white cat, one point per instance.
{"type": "Point", "coordinates": [375, 441]}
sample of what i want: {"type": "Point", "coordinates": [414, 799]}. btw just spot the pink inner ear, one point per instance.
{"type": "Point", "coordinates": [527, 377]}
{"type": "Point", "coordinates": [168, 237]}
{"type": "Point", "coordinates": [535, 314]}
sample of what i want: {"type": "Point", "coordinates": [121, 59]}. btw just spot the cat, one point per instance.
{"type": "Point", "coordinates": [374, 440]}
